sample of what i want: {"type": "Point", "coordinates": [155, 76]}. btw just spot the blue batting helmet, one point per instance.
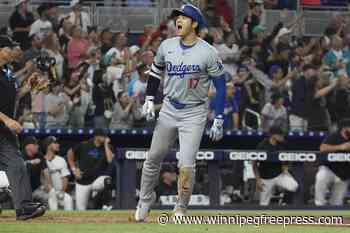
{"type": "Point", "coordinates": [192, 12]}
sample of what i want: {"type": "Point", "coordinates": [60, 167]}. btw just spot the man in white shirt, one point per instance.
{"type": "Point", "coordinates": [59, 174]}
{"type": "Point", "coordinates": [42, 26]}
{"type": "Point", "coordinates": [78, 17]}
{"type": "Point", "coordinates": [229, 53]}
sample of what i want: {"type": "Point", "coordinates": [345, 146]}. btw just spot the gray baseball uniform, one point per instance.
{"type": "Point", "coordinates": [187, 74]}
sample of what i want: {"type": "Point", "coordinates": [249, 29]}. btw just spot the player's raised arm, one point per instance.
{"type": "Point", "coordinates": [215, 70]}
{"type": "Point", "coordinates": [155, 75]}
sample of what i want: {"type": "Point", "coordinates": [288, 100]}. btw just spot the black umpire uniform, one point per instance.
{"type": "Point", "coordinates": [10, 158]}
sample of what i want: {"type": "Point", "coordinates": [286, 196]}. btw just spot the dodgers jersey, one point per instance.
{"type": "Point", "coordinates": [187, 69]}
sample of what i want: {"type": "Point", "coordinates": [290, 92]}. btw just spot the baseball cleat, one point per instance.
{"type": "Point", "coordinates": [179, 212]}
{"type": "Point", "coordinates": [143, 209]}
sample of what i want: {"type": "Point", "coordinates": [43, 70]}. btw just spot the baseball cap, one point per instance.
{"type": "Point", "coordinates": [259, 28]}
{"type": "Point", "coordinates": [73, 3]}
{"type": "Point", "coordinates": [100, 132]}
{"type": "Point", "coordinates": [18, 2]}
{"type": "Point", "coordinates": [192, 12]}
{"type": "Point", "coordinates": [47, 142]}
{"type": "Point", "coordinates": [30, 140]}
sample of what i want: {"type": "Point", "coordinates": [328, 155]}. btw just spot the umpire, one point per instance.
{"type": "Point", "coordinates": [10, 158]}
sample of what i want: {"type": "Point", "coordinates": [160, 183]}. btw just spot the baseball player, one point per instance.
{"type": "Point", "coordinates": [334, 176]}
{"type": "Point", "coordinates": [189, 64]}
{"type": "Point", "coordinates": [272, 175]}
{"type": "Point", "coordinates": [90, 163]}
{"type": "Point", "coordinates": [59, 173]}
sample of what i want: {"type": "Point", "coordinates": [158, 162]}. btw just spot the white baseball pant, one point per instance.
{"type": "Point", "coordinates": [83, 192]}
{"type": "Point", "coordinates": [56, 200]}
{"type": "Point", "coordinates": [284, 180]}
{"type": "Point", "coordinates": [325, 180]}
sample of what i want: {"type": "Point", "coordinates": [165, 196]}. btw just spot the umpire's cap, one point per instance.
{"type": "Point", "coordinates": [344, 123]}
{"type": "Point", "coordinates": [192, 12]}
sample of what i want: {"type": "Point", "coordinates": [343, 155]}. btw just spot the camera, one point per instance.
{"type": "Point", "coordinates": [44, 63]}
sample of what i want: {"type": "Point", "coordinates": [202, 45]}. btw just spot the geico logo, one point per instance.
{"type": "Point", "coordinates": [261, 156]}
{"type": "Point", "coordinates": [136, 154]}
{"type": "Point", "coordinates": [301, 157]}
{"type": "Point", "coordinates": [336, 157]}
{"type": "Point", "coordinates": [201, 155]}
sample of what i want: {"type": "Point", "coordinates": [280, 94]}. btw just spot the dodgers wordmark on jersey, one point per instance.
{"type": "Point", "coordinates": [188, 69]}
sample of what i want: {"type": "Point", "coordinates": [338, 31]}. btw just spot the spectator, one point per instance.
{"type": "Point", "coordinates": [20, 22]}
{"type": "Point", "coordinates": [253, 19]}
{"type": "Point", "coordinates": [298, 117]}
{"type": "Point", "coordinates": [93, 37]}
{"type": "Point", "coordinates": [65, 35]}
{"type": "Point", "coordinates": [342, 99]}
{"type": "Point", "coordinates": [93, 62]}
{"type": "Point", "coordinates": [270, 175]}
{"type": "Point", "coordinates": [229, 53]}
{"type": "Point", "coordinates": [89, 162]}
{"type": "Point", "coordinates": [335, 58]}
{"type": "Point", "coordinates": [52, 46]}
{"type": "Point", "coordinates": [140, 85]}
{"type": "Point", "coordinates": [231, 112]}
{"type": "Point", "coordinates": [53, 16]}
{"type": "Point", "coordinates": [34, 50]}
{"type": "Point", "coordinates": [57, 107]}
{"type": "Point", "coordinates": [78, 17]}
{"type": "Point", "coordinates": [274, 114]}
{"type": "Point", "coordinates": [102, 97]}
{"type": "Point", "coordinates": [148, 31]}
{"type": "Point", "coordinates": [317, 113]}
{"type": "Point", "coordinates": [119, 50]}
{"type": "Point", "coordinates": [125, 111]}
{"type": "Point", "coordinates": [42, 26]}
{"type": "Point", "coordinates": [59, 175]}
{"type": "Point", "coordinates": [37, 169]}
{"type": "Point", "coordinates": [106, 40]}
{"type": "Point", "coordinates": [81, 102]}
{"type": "Point", "coordinates": [77, 48]}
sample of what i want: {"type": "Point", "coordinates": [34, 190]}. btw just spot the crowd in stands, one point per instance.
{"type": "Point", "coordinates": [98, 77]}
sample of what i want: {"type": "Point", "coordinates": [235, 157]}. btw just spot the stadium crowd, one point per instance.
{"type": "Point", "coordinates": [98, 79]}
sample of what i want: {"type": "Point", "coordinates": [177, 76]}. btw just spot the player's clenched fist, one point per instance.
{"type": "Point", "coordinates": [148, 108]}
{"type": "Point", "coordinates": [217, 131]}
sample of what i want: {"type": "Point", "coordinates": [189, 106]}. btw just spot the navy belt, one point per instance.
{"type": "Point", "coordinates": [176, 104]}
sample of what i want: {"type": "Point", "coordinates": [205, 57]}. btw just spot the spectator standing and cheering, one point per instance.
{"type": "Point", "coordinates": [20, 22]}
{"type": "Point", "coordinates": [42, 26]}
{"type": "Point", "coordinates": [78, 17]}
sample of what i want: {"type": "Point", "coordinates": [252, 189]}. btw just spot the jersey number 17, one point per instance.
{"type": "Point", "coordinates": [193, 83]}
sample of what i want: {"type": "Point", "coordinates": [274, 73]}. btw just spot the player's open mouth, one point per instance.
{"type": "Point", "coordinates": [179, 27]}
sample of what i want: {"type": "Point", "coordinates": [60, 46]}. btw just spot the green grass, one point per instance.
{"type": "Point", "coordinates": [48, 224]}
